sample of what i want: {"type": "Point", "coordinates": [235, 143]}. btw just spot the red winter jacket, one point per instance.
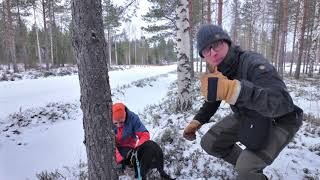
{"type": "Point", "coordinates": [132, 133]}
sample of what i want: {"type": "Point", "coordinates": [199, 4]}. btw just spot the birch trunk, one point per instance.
{"type": "Point", "coordinates": [184, 100]}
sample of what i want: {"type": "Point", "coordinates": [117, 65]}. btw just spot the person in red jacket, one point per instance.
{"type": "Point", "coordinates": [129, 130]}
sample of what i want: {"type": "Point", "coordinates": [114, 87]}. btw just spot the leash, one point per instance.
{"type": "Point", "coordinates": [135, 154]}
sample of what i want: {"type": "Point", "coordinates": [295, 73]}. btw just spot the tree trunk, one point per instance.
{"type": "Point", "coordinates": [45, 32]}
{"type": "Point", "coordinates": [129, 55]}
{"type": "Point", "coordinates": [294, 37]}
{"type": "Point", "coordinates": [135, 51]}
{"type": "Point", "coordinates": [90, 47]}
{"type": "Point", "coordinates": [209, 22]}
{"type": "Point", "coordinates": [202, 21]}
{"type": "Point", "coordinates": [307, 49]}
{"type": "Point", "coordinates": [191, 39]}
{"type": "Point", "coordinates": [235, 21]}
{"type": "Point", "coordinates": [10, 35]}
{"type": "Point", "coordinates": [50, 11]}
{"type": "Point", "coordinates": [37, 35]}
{"type": "Point", "coordinates": [184, 100]}
{"type": "Point", "coordinates": [303, 26]}
{"type": "Point", "coordinates": [315, 40]}
{"type": "Point", "coordinates": [109, 46]}
{"type": "Point", "coordinates": [209, 12]}
{"type": "Point", "coordinates": [282, 43]}
{"type": "Point", "coordinates": [22, 36]}
{"type": "Point", "coordinates": [220, 3]}
{"type": "Point", "coordinates": [115, 51]}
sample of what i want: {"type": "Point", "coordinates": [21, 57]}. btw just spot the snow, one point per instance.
{"type": "Point", "coordinates": [41, 126]}
{"type": "Point", "coordinates": [24, 94]}
{"type": "Point", "coordinates": [60, 144]}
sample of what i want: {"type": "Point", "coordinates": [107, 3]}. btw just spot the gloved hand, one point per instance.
{"type": "Point", "coordinates": [190, 131]}
{"type": "Point", "coordinates": [216, 87]}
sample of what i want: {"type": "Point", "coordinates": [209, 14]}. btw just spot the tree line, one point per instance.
{"type": "Point", "coordinates": [38, 32]}
{"type": "Point", "coordinates": [283, 31]}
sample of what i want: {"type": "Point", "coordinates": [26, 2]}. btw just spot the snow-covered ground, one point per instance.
{"type": "Point", "coordinates": [41, 126]}
{"type": "Point", "coordinates": [31, 141]}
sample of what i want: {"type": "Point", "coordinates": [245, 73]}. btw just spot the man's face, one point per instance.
{"type": "Point", "coordinates": [215, 53]}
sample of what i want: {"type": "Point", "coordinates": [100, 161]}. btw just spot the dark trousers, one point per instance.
{"type": "Point", "coordinates": [220, 141]}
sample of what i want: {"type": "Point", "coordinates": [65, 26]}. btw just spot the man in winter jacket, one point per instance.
{"type": "Point", "coordinates": [129, 130]}
{"type": "Point", "coordinates": [264, 117]}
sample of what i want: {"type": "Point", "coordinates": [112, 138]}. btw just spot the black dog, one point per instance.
{"type": "Point", "coordinates": [150, 156]}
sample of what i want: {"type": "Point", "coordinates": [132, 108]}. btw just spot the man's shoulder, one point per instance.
{"type": "Point", "coordinates": [254, 59]}
{"type": "Point", "coordinates": [252, 56]}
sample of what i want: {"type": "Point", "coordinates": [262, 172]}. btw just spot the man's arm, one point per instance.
{"type": "Point", "coordinates": [207, 110]}
{"type": "Point", "coordinates": [265, 92]}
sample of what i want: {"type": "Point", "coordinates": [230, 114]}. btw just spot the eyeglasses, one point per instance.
{"type": "Point", "coordinates": [216, 46]}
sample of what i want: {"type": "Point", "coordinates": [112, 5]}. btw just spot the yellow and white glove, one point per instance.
{"type": "Point", "coordinates": [216, 87]}
{"type": "Point", "coordinates": [190, 131]}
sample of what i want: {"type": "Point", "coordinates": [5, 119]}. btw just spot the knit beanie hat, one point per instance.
{"type": "Point", "coordinates": [209, 34]}
{"type": "Point", "coordinates": [118, 112]}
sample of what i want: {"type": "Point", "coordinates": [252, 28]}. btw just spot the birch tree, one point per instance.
{"type": "Point", "coordinates": [184, 100]}
{"type": "Point", "coordinates": [90, 46]}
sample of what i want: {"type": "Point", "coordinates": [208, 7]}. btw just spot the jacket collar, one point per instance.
{"type": "Point", "coordinates": [228, 67]}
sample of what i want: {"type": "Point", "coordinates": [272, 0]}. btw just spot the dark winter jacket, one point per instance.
{"type": "Point", "coordinates": [263, 96]}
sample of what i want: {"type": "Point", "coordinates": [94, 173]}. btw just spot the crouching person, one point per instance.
{"type": "Point", "coordinates": [130, 133]}
{"type": "Point", "coordinates": [264, 116]}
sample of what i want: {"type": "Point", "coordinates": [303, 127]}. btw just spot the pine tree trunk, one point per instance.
{"type": "Point", "coordinates": [235, 27]}
{"type": "Point", "coordinates": [116, 51]}
{"type": "Point", "coordinates": [96, 103]}
{"type": "Point", "coordinates": [37, 35]}
{"type": "Point", "coordinates": [184, 100]}
{"type": "Point", "coordinates": [10, 35]}
{"type": "Point", "coordinates": [202, 21]}
{"type": "Point", "coordinates": [129, 55]}
{"type": "Point", "coordinates": [303, 26]}
{"type": "Point", "coordinates": [191, 39]}
{"type": "Point", "coordinates": [208, 21]}
{"type": "Point", "coordinates": [306, 47]}
{"type": "Point", "coordinates": [282, 42]}
{"type": "Point", "coordinates": [294, 37]}
{"type": "Point", "coordinates": [50, 30]}
{"type": "Point", "coordinates": [23, 57]}
{"type": "Point", "coordinates": [109, 46]}
{"type": "Point", "coordinates": [315, 40]}
{"type": "Point", "coordinates": [45, 32]}
{"type": "Point", "coordinates": [220, 3]}
{"type": "Point", "coordinates": [209, 11]}
{"type": "Point", "coordinates": [135, 52]}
